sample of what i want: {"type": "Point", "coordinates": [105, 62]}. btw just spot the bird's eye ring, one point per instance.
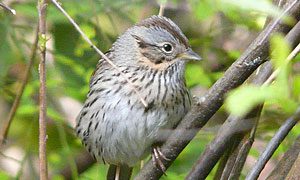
{"type": "Point", "coordinates": [167, 48]}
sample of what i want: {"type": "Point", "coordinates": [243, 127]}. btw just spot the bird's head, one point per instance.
{"type": "Point", "coordinates": [157, 42]}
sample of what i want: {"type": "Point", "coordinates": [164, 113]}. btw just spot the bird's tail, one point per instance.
{"type": "Point", "coordinates": [122, 172]}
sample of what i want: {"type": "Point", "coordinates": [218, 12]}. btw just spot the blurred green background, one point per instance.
{"type": "Point", "coordinates": [218, 30]}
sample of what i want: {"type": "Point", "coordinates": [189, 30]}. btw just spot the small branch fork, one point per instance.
{"type": "Point", "coordinates": [162, 7]}
{"type": "Point", "coordinates": [233, 124]}
{"type": "Point", "coordinates": [234, 164]}
{"type": "Point", "coordinates": [99, 51]}
{"type": "Point", "coordinates": [261, 78]}
{"type": "Point", "coordinates": [42, 10]}
{"type": "Point", "coordinates": [254, 56]}
{"type": "Point", "coordinates": [211, 104]}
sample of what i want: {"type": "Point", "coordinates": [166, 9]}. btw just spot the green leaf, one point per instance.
{"type": "Point", "coordinates": [280, 51]}
{"type": "Point", "coordinates": [263, 6]}
{"type": "Point", "coordinates": [204, 9]}
{"type": "Point", "coordinates": [296, 87]}
{"type": "Point", "coordinates": [88, 30]}
{"type": "Point", "coordinates": [27, 109]}
{"type": "Point", "coordinates": [241, 100]}
{"type": "Point", "coordinates": [196, 75]}
{"type": "Point", "coordinates": [71, 64]}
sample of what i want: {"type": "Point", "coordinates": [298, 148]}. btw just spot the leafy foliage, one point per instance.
{"type": "Point", "coordinates": [244, 98]}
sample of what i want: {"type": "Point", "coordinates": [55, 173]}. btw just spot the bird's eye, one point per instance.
{"type": "Point", "coordinates": [167, 48]}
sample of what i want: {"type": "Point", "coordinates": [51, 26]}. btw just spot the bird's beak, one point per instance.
{"type": "Point", "coordinates": [190, 55]}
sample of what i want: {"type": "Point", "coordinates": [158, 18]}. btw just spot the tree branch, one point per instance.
{"type": "Point", "coordinates": [245, 147]}
{"type": "Point", "coordinates": [286, 162]}
{"type": "Point", "coordinates": [224, 172]}
{"type": "Point", "coordinates": [294, 173]}
{"type": "Point", "coordinates": [162, 6]}
{"type": "Point", "coordinates": [100, 52]}
{"type": "Point", "coordinates": [273, 145]}
{"type": "Point", "coordinates": [8, 8]}
{"type": "Point", "coordinates": [202, 111]}
{"type": "Point", "coordinates": [239, 158]}
{"type": "Point", "coordinates": [237, 125]}
{"type": "Point", "coordinates": [42, 10]}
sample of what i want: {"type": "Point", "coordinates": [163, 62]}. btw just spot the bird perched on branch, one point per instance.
{"type": "Point", "coordinates": [114, 125]}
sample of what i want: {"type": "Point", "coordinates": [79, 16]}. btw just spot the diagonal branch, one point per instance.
{"type": "Point", "coordinates": [162, 7]}
{"type": "Point", "coordinates": [273, 145]}
{"type": "Point", "coordinates": [100, 52]}
{"type": "Point", "coordinates": [243, 150]}
{"type": "Point", "coordinates": [286, 162]}
{"type": "Point", "coordinates": [238, 125]}
{"type": "Point", "coordinates": [206, 107]}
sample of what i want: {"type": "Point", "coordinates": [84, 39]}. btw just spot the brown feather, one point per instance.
{"type": "Point", "coordinates": [164, 23]}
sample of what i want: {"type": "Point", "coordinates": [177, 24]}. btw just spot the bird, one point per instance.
{"type": "Point", "coordinates": [114, 125]}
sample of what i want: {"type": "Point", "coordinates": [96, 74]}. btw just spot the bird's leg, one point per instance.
{"type": "Point", "coordinates": [161, 154]}
{"type": "Point", "coordinates": [157, 157]}
{"type": "Point", "coordinates": [117, 177]}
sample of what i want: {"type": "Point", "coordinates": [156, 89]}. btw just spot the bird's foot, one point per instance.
{"type": "Point", "coordinates": [157, 157]}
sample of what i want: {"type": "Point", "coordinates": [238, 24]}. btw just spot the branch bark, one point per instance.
{"type": "Point", "coordinates": [85, 37]}
{"type": "Point", "coordinates": [238, 125]}
{"type": "Point", "coordinates": [202, 111]}
{"type": "Point", "coordinates": [229, 164]}
{"type": "Point", "coordinates": [42, 10]}
{"type": "Point", "coordinates": [240, 157]}
{"type": "Point", "coordinates": [295, 171]}
{"type": "Point", "coordinates": [273, 145]}
{"type": "Point", "coordinates": [8, 8]}
{"type": "Point", "coordinates": [287, 161]}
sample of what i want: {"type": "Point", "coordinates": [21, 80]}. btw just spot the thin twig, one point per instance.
{"type": "Point", "coordinates": [273, 145]}
{"type": "Point", "coordinates": [6, 124]}
{"type": "Point", "coordinates": [21, 169]}
{"type": "Point", "coordinates": [8, 8]}
{"type": "Point", "coordinates": [234, 125]}
{"type": "Point", "coordinates": [10, 158]}
{"type": "Point", "coordinates": [230, 167]}
{"type": "Point", "coordinates": [99, 51]}
{"type": "Point", "coordinates": [245, 148]}
{"type": "Point", "coordinates": [162, 8]}
{"type": "Point", "coordinates": [42, 10]}
{"type": "Point", "coordinates": [287, 161]}
{"type": "Point", "coordinates": [205, 108]}
{"type": "Point", "coordinates": [225, 170]}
